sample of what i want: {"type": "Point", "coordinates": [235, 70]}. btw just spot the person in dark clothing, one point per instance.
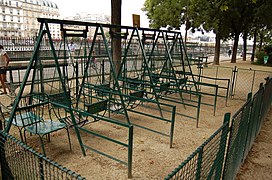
{"type": "Point", "coordinates": [229, 52]}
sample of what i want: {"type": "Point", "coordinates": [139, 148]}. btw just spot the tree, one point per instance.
{"type": "Point", "coordinates": [200, 15]}
{"type": "Point", "coordinates": [209, 15]}
{"type": "Point", "coordinates": [241, 15]}
{"type": "Point", "coordinates": [226, 18]}
{"type": "Point", "coordinates": [260, 25]}
{"type": "Point", "coordinates": [116, 33]}
{"type": "Point", "coordinates": [162, 13]}
{"type": "Point", "coordinates": [245, 36]}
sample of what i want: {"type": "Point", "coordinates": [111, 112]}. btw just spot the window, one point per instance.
{"type": "Point", "coordinates": [18, 12]}
{"type": "Point", "coordinates": [11, 18]}
{"type": "Point", "coordinates": [3, 10]}
{"type": "Point", "coordinates": [11, 11]}
{"type": "Point", "coordinates": [17, 4]}
{"type": "Point", "coordinates": [10, 3]}
{"type": "Point", "coordinates": [4, 18]}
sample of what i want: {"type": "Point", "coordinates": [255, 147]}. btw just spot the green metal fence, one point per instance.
{"type": "Point", "coordinates": [246, 125]}
{"type": "Point", "coordinates": [211, 160]}
{"type": "Point", "coordinates": [236, 146]}
{"type": "Point", "coordinates": [248, 83]}
{"type": "Point", "coordinates": [242, 81]}
{"type": "Point", "coordinates": [18, 161]}
{"type": "Point", "coordinates": [207, 161]}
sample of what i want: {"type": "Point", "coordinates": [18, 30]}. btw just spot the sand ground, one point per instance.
{"type": "Point", "coordinates": [152, 156]}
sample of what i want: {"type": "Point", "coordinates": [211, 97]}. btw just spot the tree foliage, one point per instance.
{"type": "Point", "coordinates": [162, 13]}
{"type": "Point", "coordinates": [227, 18]}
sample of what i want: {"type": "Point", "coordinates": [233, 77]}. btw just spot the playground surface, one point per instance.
{"type": "Point", "coordinates": [258, 164]}
{"type": "Point", "coordinates": [152, 156]}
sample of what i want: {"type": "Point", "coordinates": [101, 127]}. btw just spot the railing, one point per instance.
{"type": "Point", "coordinates": [21, 48]}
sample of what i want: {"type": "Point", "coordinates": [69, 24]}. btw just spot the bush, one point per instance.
{"type": "Point", "coordinates": [260, 57]}
{"type": "Point", "coordinates": [267, 51]}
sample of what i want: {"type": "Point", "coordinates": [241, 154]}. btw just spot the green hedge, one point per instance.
{"type": "Point", "coordinates": [266, 51]}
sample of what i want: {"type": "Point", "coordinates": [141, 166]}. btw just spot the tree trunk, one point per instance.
{"type": "Point", "coordinates": [254, 46]}
{"type": "Point", "coordinates": [217, 50]}
{"type": "Point", "coordinates": [244, 46]}
{"type": "Point", "coordinates": [235, 46]}
{"type": "Point", "coordinates": [116, 33]}
{"type": "Point", "coordinates": [261, 41]}
{"type": "Point", "coordinates": [186, 32]}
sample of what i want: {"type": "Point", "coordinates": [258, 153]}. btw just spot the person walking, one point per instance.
{"type": "Point", "coordinates": [72, 48]}
{"type": "Point", "coordinates": [4, 62]}
{"type": "Point", "coordinates": [229, 52]}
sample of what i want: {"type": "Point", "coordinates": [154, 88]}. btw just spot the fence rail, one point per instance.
{"type": "Point", "coordinates": [22, 48]}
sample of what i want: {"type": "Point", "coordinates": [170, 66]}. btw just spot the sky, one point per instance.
{"type": "Point", "coordinates": [129, 7]}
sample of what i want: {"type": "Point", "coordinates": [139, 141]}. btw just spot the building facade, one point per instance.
{"type": "Point", "coordinates": [18, 18]}
{"type": "Point", "coordinates": [90, 17]}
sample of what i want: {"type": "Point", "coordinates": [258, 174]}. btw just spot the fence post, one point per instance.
{"type": "Point", "coordinates": [253, 79]}
{"type": "Point", "coordinates": [130, 149]}
{"type": "Point", "coordinates": [5, 170]}
{"type": "Point", "coordinates": [172, 126]}
{"type": "Point", "coordinates": [198, 110]}
{"type": "Point", "coordinates": [199, 162]}
{"type": "Point", "coordinates": [234, 72]}
{"type": "Point", "coordinates": [41, 171]}
{"type": "Point", "coordinates": [223, 144]}
{"type": "Point", "coordinates": [249, 96]}
{"type": "Point", "coordinates": [249, 128]}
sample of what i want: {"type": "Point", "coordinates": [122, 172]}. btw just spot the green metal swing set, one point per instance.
{"type": "Point", "coordinates": [63, 96]}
